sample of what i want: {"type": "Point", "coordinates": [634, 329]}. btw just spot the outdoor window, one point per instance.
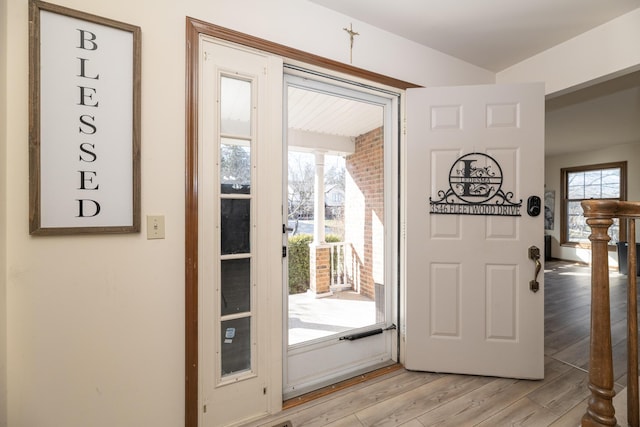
{"type": "Point", "coordinates": [603, 181]}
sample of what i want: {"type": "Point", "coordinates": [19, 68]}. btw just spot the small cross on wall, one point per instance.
{"type": "Point", "coordinates": [352, 34]}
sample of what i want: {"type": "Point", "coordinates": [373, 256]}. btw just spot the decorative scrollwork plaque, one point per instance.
{"type": "Point", "coordinates": [475, 188]}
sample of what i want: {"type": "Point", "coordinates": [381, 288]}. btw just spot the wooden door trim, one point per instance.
{"type": "Point", "coordinates": [191, 228]}
{"type": "Point", "coordinates": [194, 28]}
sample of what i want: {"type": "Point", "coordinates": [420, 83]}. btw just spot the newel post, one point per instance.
{"type": "Point", "coordinates": [600, 411]}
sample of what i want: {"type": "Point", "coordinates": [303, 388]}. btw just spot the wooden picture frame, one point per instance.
{"type": "Point", "coordinates": [84, 123]}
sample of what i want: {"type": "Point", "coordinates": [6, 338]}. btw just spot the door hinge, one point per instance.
{"type": "Point", "coordinates": [204, 409]}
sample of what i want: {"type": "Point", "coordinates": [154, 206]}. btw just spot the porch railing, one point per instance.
{"type": "Point", "coordinates": [600, 410]}
{"type": "Point", "coordinates": [339, 256]}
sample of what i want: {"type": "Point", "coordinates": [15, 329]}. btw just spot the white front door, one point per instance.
{"type": "Point", "coordinates": [474, 157]}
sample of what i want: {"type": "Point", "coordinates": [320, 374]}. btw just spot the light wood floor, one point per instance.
{"type": "Point", "coordinates": [420, 399]}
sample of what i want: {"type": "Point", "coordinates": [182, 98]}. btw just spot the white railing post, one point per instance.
{"type": "Point", "coordinates": [337, 263]}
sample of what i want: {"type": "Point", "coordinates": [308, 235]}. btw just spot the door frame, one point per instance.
{"type": "Point", "coordinates": [389, 103]}
{"type": "Point", "coordinates": [195, 28]}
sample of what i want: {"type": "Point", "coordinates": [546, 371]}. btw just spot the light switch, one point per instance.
{"type": "Point", "coordinates": [155, 227]}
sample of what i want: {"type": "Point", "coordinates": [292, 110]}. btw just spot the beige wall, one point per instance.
{"type": "Point", "coordinates": [628, 152]}
{"type": "Point", "coordinates": [95, 324]}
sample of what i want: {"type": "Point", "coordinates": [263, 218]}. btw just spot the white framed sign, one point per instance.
{"type": "Point", "coordinates": [84, 124]}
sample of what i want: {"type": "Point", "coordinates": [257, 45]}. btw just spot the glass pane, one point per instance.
{"type": "Point", "coordinates": [236, 345]}
{"type": "Point", "coordinates": [235, 106]}
{"type": "Point", "coordinates": [301, 191]}
{"type": "Point", "coordinates": [593, 191]}
{"type": "Point", "coordinates": [235, 219]}
{"type": "Point", "coordinates": [610, 191]}
{"type": "Point", "coordinates": [235, 166]}
{"type": "Point", "coordinates": [577, 228]}
{"type": "Point", "coordinates": [576, 192]}
{"type": "Point", "coordinates": [575, 182]}
{"type": "Point", "coordinates": [351, 264]}
{"type": "Point", "coordinates": [576, 178]}
{"type": "Point", "coordinates": [593, 178]}
{"type": "Point", "coordinates": [611, 183]}
{"type": "Point", "coordinates": [236, 286]}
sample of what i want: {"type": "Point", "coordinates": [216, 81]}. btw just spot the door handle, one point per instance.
{"type": "Point", "coordinates": [285, 229]}
{"type": "Point", "coordinates": [534, 254]}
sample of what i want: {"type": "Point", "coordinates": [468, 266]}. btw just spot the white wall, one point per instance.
{"type": "Point", "coordinates": [95, 324]}
{"type": "Point", "coordinates": [318, 30]}
{"type": "Point", "coordinates": [608, 50]}
{"type": "Point", "coordinates": [615, 153]}
{"type": "Point", "coordinates": [3, 223]}
{"type": "Point", "coordinates": [600, 54]}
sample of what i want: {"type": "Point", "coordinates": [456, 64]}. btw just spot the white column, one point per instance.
{"type": "Point", "coordinates": [318, 205]}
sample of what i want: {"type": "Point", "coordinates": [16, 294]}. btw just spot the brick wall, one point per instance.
{"type": "Point", "coordinates": [364, 210]}
{"type": "Point", "coordinates": [319, 269]}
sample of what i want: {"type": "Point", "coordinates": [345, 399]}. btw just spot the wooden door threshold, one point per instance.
{"type": "Point", "coordinates": [299, 400]}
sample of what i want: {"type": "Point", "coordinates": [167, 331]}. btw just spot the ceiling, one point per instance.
{"type": "Point", "coordinates": [495, 34]}
{"type": "Point", "coordinates": [606, 113]}
{"type": "Point", "coordinates": [492, 34]}
{"type": "Point", "coordinates": [317, 112]}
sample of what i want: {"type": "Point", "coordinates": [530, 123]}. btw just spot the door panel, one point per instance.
{"type": "Point", "coordinates": [445, 300]}
{"type": "Point", "coordinates": [469, 306]}
{"type": "Point", "coordinates": [501, 301]}
{"type": "Point", "coordinates": [239, 204]}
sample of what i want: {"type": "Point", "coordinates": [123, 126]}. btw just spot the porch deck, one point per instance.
{"type": "Point", "coordinates": [311, 317]}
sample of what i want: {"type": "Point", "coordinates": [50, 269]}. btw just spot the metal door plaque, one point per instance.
{"type": "Point", "coordinates": [475, 188]}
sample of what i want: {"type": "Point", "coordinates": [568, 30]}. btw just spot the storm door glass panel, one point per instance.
{"type": "Point", "coordinates": [236, 345]}
{"type": "Point", "coordinates": [235, 219]}
{"type": "Point", "coordinates": [236, 261]}
{"type": "Point", "coordinates": [236, 286]}
{"type": "Point", "coordinates": [235, 106]}
{"type": "Point", "coordinates": [235, 166]}
{"type": "Point", "coordinates": [349, 258]}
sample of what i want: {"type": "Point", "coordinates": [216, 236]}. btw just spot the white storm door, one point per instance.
{"type": "Point", "coordinates": [474, 156]}
{"type": "Point", "coordinates": [332, 338]}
